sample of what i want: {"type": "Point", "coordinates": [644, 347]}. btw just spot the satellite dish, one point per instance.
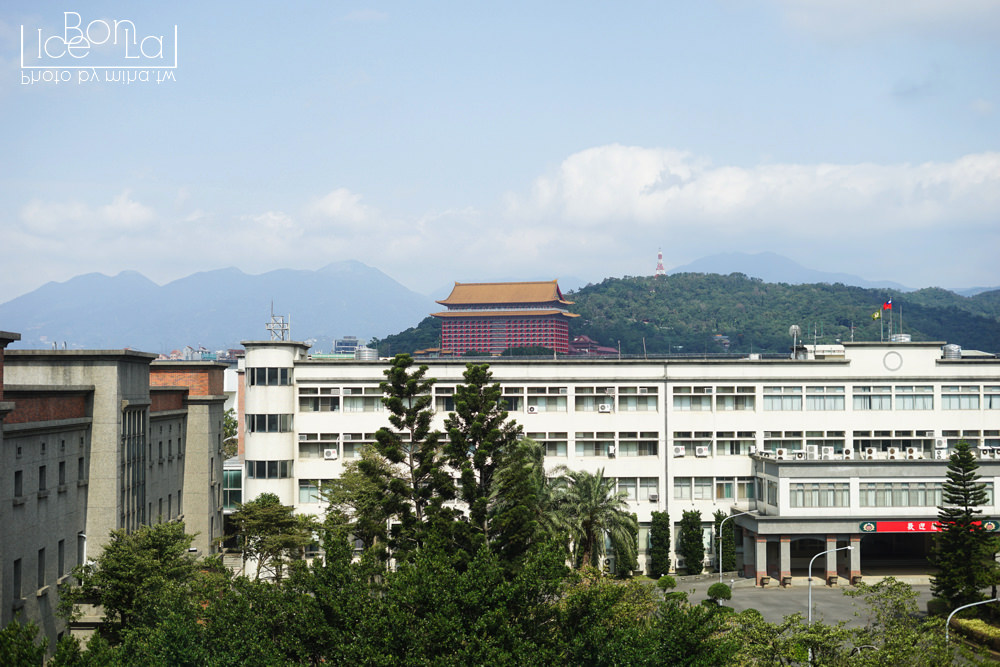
{"type": "Point", "coordinates": [794, 331]}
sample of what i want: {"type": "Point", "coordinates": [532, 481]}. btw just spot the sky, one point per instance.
{"type": "Point", "coordinates": [473, 141]}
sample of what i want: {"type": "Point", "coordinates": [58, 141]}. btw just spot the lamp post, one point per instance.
{"type": "Point", "coordinates": [848, 548]}
{"type": "Point", "coordinates": [720, 539]}
{"type": "Point", "coordinates": [947, 624]}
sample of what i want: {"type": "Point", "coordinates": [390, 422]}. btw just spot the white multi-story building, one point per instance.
{"type": "Point", "coordinates": [836, 445]}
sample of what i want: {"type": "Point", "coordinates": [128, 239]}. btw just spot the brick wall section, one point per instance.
{"type": "Point", "coordinates": [39, 407]}
{"type": "Point", "coordinates": [201, 380]}
{"type": "Point", "coordinates": [166, 399]}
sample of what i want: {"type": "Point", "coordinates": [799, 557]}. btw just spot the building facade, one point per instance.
{"type": "Point", "coordinates": [493, 317]}
{"type": "Point", "coordinates": [87, 446]}
{"type": "Point", "coordinates": [814, 447]}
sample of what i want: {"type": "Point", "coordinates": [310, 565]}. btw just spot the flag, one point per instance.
{"type": "Point", "coordinates": [887, 305]}
{"type": "Point", "coordinates": [877, 315]}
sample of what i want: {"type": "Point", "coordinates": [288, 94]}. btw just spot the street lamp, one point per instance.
{"type": "Point", "coordinates": [720, 539]}
{"type": "Point", "coordinates": [947, 624]}
{"type": "Point", "coordinates": [811, 576]}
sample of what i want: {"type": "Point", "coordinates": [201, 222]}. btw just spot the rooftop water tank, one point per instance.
{"type": "Point", "coordinates": [365, 354]}
{"type": "Point", "coordinates": [952, 351]}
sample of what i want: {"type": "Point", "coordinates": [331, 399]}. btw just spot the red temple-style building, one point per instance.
{"type": "Point", "coordinates": [491, 317]}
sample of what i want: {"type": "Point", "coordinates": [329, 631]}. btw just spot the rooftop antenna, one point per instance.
{"type": "Point", "coordinates": [659, 263]}
{"type": "Point", "coordinates": [279, 327]}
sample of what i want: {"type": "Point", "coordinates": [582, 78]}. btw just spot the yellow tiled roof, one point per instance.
{"type": "Point", "coordinates": [503, 313]}
{"type": "Point", "coordinates": [526, 292]}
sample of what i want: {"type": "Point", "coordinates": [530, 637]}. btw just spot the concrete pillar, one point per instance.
{"type": "Point", "coordinates": [785, 559]}
{"type": "Point", "coordinates": [831, 558]}
{"type": "Point", "coordinates": [760, 558]}
{"type": "Point", "coordinates": [748, 554]}
{"type": "Point", "coordinates": [855, 556]}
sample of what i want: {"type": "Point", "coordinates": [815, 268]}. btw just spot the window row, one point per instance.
{"type": "Point", "coordinates": [43, 477]}
{"type": "Point", "coordinates": [639, 488]}
{"type": "Point", "coordinates": [269, 469]}
{"type": "Point", "coordinates": [269, 423]}
{"type": "Point", "coordinates": [710, 488]}
{"type": "Point", "coordinates": [269, 376]}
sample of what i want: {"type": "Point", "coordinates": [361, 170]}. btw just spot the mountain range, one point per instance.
{"type": "Point", "coordinates": [217, 309]}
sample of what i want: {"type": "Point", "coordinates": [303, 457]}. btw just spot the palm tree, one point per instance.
{"type": "Point", "coordinates": [592, 509]}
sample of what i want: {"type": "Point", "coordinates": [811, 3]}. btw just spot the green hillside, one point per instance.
{"type": "Point", "coordinates": [711, 313]}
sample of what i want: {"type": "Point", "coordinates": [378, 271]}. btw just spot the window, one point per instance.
{"type": "Point", "coordinates": [648, 486]}
{"type": "Point", "coordinates": [682, 488]}
{"type": "Point", "coordinates": [18, 483]}
{"type": "Point", "coordinates": [232, 488]}
{"type": "Point", "coordinates": [313, 445]}
{"type": "Point", "coordinates": [782, 398]}
{"type": "Point", "coordinates": [872, 398]}
{"type": "Point", "coordinates": [915, 397]}
{"type": "Point", "coordinates": [724, 489]}
{"type": "Point", "coordinates": [62, 473]}
{"type": "Point", "coordinates": [824, 398]}
{"type": "Point", "coordinates": [901, 494]}
{"type": "Point", "coordinates": [745, 488]}
{"type": "Point", "coordinates": [546, 403]}
{"type": "Point", "coordinates": [272, 377]}
{"type": "Point", "coordinates": [693, 399]}
{"type": "Point", "coordinates": [41, 478]}
{"type": "Point", "coordinates": [553, 443]}
{"type": "Point", "coordinates": [265, 424]}
{"type": "Point", "coordinates": [15, 588]}
{"type": "Point", "coordinates": [965, 397]}
{"type": "Point", "coordinates": [81, 472]}
{"type": "Point", "coordinates": [269, 469]}
{"type": "Point", "coordinates": [637, 399]}
{"type": "Point", "coordinates": [589, 444]}
{"type": "Point", "coordinates": [818, 494]}
{"type": "Point", "coordinates": [319, 399]}
{"type": "Point", "coordinates": [61, 555]}
{"type": "Point", "coordinates": [41, 568]}
{"type": "Point", "coordinates": [703, 488]}
{"type": "Point", "coordinates": [728, 445]}
{"type": "Point", "coordinates": [629, 486]}
{"type": "Point", "coordinates": [991, 397]}
{"type": "Point", "coordinates": [309, 491]}
{"type": "Point", "coordinates": [735, 398]}
{"type": "Point", "coordinates": [646, 444]}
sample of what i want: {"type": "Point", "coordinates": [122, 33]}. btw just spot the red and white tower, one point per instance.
{"type": "Point", "coordinates": [659, 264]}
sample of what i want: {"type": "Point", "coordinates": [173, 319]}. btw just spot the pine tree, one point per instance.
{"type": "Point", "coordinates": [419, 485]}
{"type": "Point", "coordinates": [691, 542]}
{"type": "Point", "coordinates": [659, 545]}
{"type": "Point", "coordinates": [480, 437]}
{"type": "Point", "coordinates": [963, 549]}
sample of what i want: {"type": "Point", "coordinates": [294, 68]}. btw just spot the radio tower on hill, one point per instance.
{"type": "Point", "coordinates": [659, 263]}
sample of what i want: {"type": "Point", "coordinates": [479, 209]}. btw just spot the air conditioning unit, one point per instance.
{"type": "Point", "coordinates": [604, 407]}
{"type": "Point", "coordinates": [940, 443]}
{"type": "Point", "coordinates": [302, 436]}
{"type": "Point", "coordinates": [848, 454]}
{"type": "Point", "coordinates": [330, 454]}
{"type": "Point", "coordinates": [610, 391]}
{"type": "Point", "coordinates": [678, 450]}
{"type": "Point", "coordinates": [611, 450]}
{"type": "Point", "coordinates": [812, 452]}
{"type": "Point", "coordinates": [753, 449]}
{"type": "Point", "coordinates": [893, 452]}
{"type": "Point", "coordinates": [532, 409]}
{"type": "Point", "coordinates": [940, 454]}
{"type": "Point", "coordinates": [800, 455]}
{"type": "Point", "coordinates": [826, 451]}
{"type": "Point", "coordinates": [643, 390]}
{"type": "Point", "coordinates": [766, 454]}
{"type": "Point", "coordinates": [701, 451]}
{"type": "Point", "coordinates": [347, 437]}
{"type": "Point", "coordinates": [654, 497]}
{"type": "Point", "coordinates": [781, 453]}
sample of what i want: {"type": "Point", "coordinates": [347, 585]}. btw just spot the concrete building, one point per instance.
{"type": "Point", "coordinates": [87, 446]}
{"type": "Point", "coordinates": [810, 445]}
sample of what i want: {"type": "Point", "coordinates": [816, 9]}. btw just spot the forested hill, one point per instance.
{"type": "Point", "coordinates": [701, 313]}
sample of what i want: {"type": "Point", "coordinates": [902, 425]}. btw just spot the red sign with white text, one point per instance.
{"type": "Point", "coordinates": [930, 526]}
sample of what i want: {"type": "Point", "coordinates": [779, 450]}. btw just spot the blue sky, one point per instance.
{"type": "Point", "coordinates": [442, 141]}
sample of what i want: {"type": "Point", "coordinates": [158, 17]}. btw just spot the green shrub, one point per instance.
{"type": "Point", "coordinates": [938, 607]}
{"type": "Point", "coordinates": [978, 631]}
{"type": "Point", "coordinates": [677, 596]}
{"type": "Point", "coordinates": [665, 582]}
{"type": "Point", "coordinates": [718, 592]}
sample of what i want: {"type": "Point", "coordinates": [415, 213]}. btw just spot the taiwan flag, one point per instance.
{"type": "Point", "coordinates": [887, 305]}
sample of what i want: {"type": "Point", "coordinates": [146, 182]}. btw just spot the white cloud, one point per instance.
{"type": "Point", "coordinates": [657, 188]}
{"type": "Point", "coordinates": [341, 206]}
{"type": "Point", "coordinates": [122, 214]}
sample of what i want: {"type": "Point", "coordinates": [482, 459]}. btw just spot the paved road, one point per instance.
{"type": "Point", "coordinates": [830, 605]}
